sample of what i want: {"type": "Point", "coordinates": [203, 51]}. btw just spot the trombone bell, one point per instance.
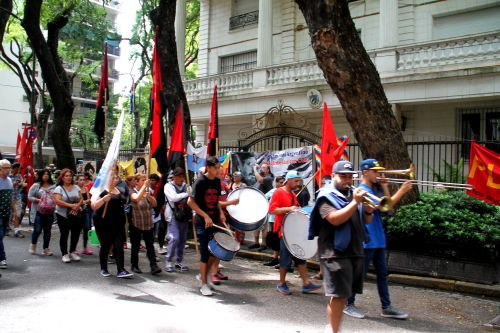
{"type": "Point", "coordinates": [410, 172]}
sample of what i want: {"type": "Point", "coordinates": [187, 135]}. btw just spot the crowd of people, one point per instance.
{"type": "Point", "coordinates": [143, 208]}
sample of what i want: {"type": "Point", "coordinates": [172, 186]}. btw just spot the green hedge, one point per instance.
{"type": "Point", "coordinates": [467, 226]}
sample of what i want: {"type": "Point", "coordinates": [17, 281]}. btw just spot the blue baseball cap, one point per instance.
{"type": "Point", "coordinates": [370, 164]}
{"type": "Point", "coordinates": [291, 174]}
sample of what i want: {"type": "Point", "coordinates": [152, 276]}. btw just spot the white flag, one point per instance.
{"type": "Point", "coordinates": [196, 157]}
{"type": "Point", "coordinates": [101, 183]}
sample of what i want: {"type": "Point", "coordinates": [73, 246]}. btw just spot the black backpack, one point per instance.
{"type": "Point", "coordinates": [182, 211]}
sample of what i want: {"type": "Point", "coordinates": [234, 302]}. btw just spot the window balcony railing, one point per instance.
{"type": "Point", "coordinates": [84, 93]}
{"type": "Point", "coordinates": [114, 50]}
{"type": "Point", "coordinates": [243, 20]}
{"type": "Point", "coordinates": [114, 74]}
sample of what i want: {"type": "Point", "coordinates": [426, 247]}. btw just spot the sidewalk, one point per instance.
{"type": "Point", "coordinates": [410, 280]}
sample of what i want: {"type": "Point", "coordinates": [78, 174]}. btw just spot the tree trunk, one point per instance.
{"type": "Point", "coordinates": [54, 76]}
{"type": "Point", "coordinates": [164, 17]}
{"type": "Point", "coordinates": [41, 127]}
{"type": "Point", "coordinates": [355, 81]}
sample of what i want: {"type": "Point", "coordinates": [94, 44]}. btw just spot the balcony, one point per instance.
{"type": "Point", "coordinates": [243, 20]}
{"type": "Point", "coordinates": [115, 74]}
{"type": "Point", "coordinates": [83, 93]}
{"type": "Point", "coordinates": [114, 50]}
{"type": "Point", "coordinates": [474, 54]}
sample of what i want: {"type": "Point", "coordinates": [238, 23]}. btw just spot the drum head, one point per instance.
{"type": "Point", "coordinates": [227, 242]}
{"type": "Point", "coordinates": [252, 208]}
{"type": "Point", "coordinates": [295, 230]}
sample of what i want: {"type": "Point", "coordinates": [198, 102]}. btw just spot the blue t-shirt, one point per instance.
{"type": "Point", "coordinates": [375, 228]}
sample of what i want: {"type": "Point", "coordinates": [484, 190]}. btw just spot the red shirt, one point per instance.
{"type": "Point", "coordinates": [224, 192]}
{"type": "Point", "coordinates": [281, 199]}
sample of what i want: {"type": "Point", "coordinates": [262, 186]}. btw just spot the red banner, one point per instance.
{"type": "Point", "coordinates": [484, 174]}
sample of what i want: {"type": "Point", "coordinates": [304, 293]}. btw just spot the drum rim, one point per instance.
{"type": "Point", "coordinates": [239, 245]}
{"type": "Point", "coordinates": [288, 246]}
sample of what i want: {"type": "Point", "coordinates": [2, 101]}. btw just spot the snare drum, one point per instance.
{"type": "Point", "coordinates": [251, 213]}
{"type": "Point", "coordinates": [223, 246]}
{"type": "Point", "coordinates": [295, 230]}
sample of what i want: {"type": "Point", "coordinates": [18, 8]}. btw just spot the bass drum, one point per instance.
{"type": "Point", "coordinates": [295, 229]}
{"type": "Point", "coordinates": [251, 213]}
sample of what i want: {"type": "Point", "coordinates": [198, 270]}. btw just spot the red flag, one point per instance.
{"type": "Point", "coordinates": [158, 140]}
{"type": "Point", "coordinates": [18, 147]}
{"type": "Point", "coordinates": [484, 174]}
{"type": "Point", "coordinates": [102, 98]}
{"type": "Point", "coordinates": [177, 148]}
{"type": "Point", "coordinates": [213, 132]}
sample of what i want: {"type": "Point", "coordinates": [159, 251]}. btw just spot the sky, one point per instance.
{"type": "Point", "coordinates": [125, 22]}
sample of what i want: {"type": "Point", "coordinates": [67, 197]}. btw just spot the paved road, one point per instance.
{"type": "Point", "coordinates": [42, 294]}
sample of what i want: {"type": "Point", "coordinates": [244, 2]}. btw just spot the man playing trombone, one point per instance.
{"type": "Point", "coordinates": [375, 248]}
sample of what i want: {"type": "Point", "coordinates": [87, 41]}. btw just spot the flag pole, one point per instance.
{"type": "Point", "coordinates": [194, 229]}
{"type": "Point", "coordinates": [302, 189]}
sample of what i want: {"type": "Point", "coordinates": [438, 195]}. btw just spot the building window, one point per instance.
{"type": "Point", "coordinates": [25, 98]}
{"type": "Point", "coordinates": [481, 125]}
{"type": "Point", "coordinates": [246, 12]}
{"type": "Point", "coordinates": [238, 62]}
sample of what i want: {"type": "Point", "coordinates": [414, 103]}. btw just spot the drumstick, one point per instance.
{"type": "Point", "coordinates": [215, 225]}
{"type": "Point", "coordinates": [307, 183]}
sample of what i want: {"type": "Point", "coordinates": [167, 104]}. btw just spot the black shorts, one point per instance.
{"type": "Point", "coordinates": [343, 276]}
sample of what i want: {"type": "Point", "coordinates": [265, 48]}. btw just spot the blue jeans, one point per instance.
{"type": "Point", "coordinates": [85, 228]}
{"type": "Point", "coordinates": [177, 235]}
{"type": "Point", "coordinates": [43, 222]}
{"type": "Point", "coordinates": [4, 222]}
{"type": "Point", "coordinates": [377, 256]}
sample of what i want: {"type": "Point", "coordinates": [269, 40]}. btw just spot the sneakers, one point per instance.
{"type": "Point", "coordinates": [262, 248]}
{"type": "Point", "coordinates": [142, 247]}
{"type": "Point", "coordinates": [75, 257]}
{"type": "Point", "coordinates": [390, 312]}
{"type": "Point", "coordinates": [254, 246]}
{"type": "Point", "coordinates": [18, 234]}
{"type": "Point", "coordinates": [125, 246]}
{"type": "Point", "coordinates": [65, 258]}
{"type": "Point", "coordinates": [104, 272]}
{"type": "Point", "coordinates": [86, 251]}
{"type": "Point", "coordinates": [47, 252]}
{"type": "Point", "coordinates": [180, 266]}
{"type": "Point", "coordinates": [352, 310]}
{"type": "Point", "coordinates": [162, 250]}
{"type": "Point", "coordinates": [210, 284]}
{"type": "Point", "coordinates": [214, 279]}
{"type": "Point", "coordinates": [124, 274]}
{"type": "Point", "coordinates": [205, 290]}
{"type": "Point", "coordinates": [136, 269]}
{"type": "Point", "coordinates": [283, 288]}
{"type": "Point", "coordinates": [221, 276]}
{"type": "Point", "coordinates": [32, 249]}
{"type": "Point", "coordinates": [76, 252]}
{"type": "Point", "coordinates": [3, 264]}
{"type": "Point", "coordinates": [111, 260]}
{"type": "Point", "coordinates": [310, 287]}
{"type": "Point", "coordinates": [155, 269]}
{"type": "Point", "coordinates": [272, 262]}
{"type": "Point", "coordinates": [169, 268]}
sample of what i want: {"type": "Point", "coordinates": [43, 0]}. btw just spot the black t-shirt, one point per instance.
{"type": "Point", "coordinates": [206, 195]}
{"type": "Point", "coordinates": [267, 184]}
{"type": "Point", "coordinates": [327, 233]}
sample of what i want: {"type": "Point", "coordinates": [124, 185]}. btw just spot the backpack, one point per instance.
{"type": "Point", "coordinates": [47, 204]}
{"type": "Point", "coordinates": [182, 211]}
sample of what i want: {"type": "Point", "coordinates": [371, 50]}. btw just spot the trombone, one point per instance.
{"type": "Point", "coordinates": [384, 203]}
{"type": "Point", "coordinates": [410, 172]}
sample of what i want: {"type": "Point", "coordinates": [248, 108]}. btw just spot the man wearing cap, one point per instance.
{"type": "Point", "coordinates": [339, 222]}
{"type": "Point", "coordinates": [19, 184]}
{"type": "Point", "coordinates": [283, 201]}
{"type": "Point", "coordinates": [375, 249]}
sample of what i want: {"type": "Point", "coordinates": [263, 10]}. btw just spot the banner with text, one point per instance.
{"type": "Point", "coordinates": [484, 174]}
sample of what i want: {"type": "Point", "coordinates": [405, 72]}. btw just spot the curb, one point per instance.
{"type": "Point", "coordinates": [410, 280]}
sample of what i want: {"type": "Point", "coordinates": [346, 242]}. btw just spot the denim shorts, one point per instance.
{"type": "Point", "coordinates": [286, 257]}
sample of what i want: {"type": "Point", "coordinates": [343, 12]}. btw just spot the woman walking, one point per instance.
{"type": "Point", "coordinates": [142, 203]}
{"type": "Point", "coordinates": [110, 228]}
{"type": "Point", "coordinates": [41, 195]}
{"type": "Point", "coordinates": [68, 209]}
{"type": "Point", "coordinates": [86, 217]}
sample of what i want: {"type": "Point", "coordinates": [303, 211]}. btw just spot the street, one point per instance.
{"type": "Point", "coordinates": [42, 294]}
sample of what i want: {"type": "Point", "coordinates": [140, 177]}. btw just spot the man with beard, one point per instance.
{"type": "Point", "coordinates": [282, 202]}
{"type": "Point", "coordinates": [204, 201]}
{"type": "Point", "coordinates": [264, 184]}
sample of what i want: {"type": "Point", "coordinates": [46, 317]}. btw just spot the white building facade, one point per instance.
{"type": "Point", "coordinates": [439, 62]}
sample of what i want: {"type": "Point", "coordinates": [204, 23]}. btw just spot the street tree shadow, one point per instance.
{"type": "Point", "coordinates": [142, 299]}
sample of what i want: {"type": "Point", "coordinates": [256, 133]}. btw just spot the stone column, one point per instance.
{"type": "Point", "coordinates": [265, 34]}
{"type": "Point", "coordinates": [388, 23]}
{"type": "Point", "coordinates": [180, 33]}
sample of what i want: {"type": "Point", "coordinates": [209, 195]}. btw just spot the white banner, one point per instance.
{"type": "Point", "coordinates": [104, 177]}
